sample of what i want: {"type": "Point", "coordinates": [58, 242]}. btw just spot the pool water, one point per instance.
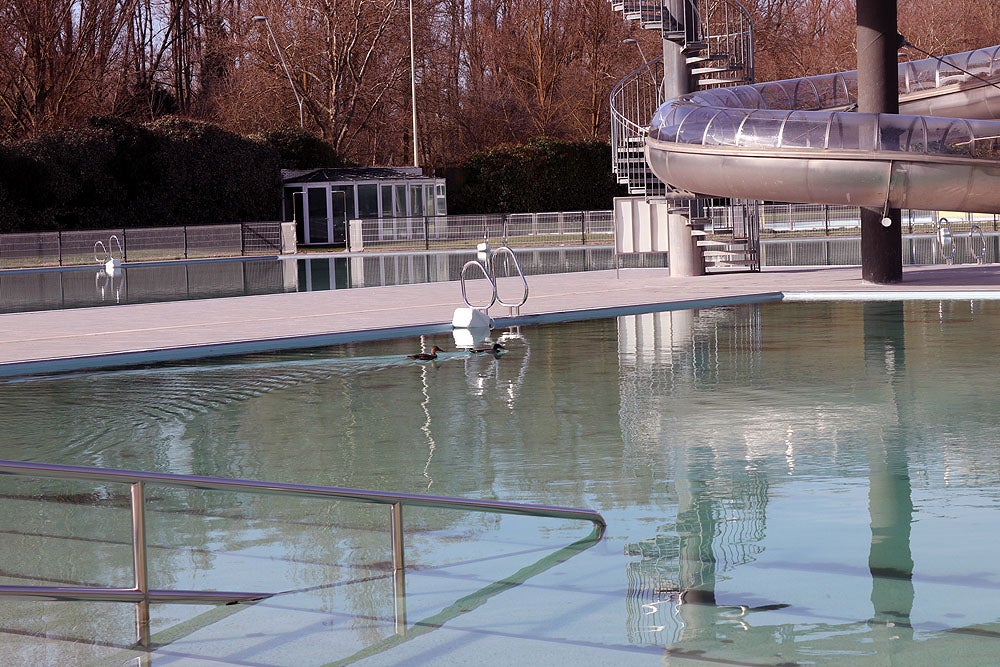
{"type": "Point", "coordinates": [808, 483]}
{"type": "Point", "coordinates": [89, 286]}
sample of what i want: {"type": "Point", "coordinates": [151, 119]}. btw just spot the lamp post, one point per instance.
{"type": "Point", "coordinates": [281, 57]}
{"type": "Point", "coordinates": [413, 89]}
{"type": "Point", "coordinates": [632, 40]}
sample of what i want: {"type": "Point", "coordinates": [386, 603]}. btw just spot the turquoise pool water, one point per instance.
{"type": "Point", "coordinates": [811, 483]}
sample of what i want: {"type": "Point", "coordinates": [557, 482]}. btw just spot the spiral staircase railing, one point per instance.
{"type": "Point", "coordinates": [716, 37]}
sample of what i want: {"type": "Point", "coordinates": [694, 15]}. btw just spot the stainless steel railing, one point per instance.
{"type": "Point", "coordinates": [142, 595]}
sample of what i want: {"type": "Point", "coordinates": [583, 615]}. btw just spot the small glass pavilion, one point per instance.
{"type": "Point", "coordinates": [323, 201]}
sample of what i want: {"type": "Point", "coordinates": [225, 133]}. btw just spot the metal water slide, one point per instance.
{"type": "Point", "coordinates": [801, 140]}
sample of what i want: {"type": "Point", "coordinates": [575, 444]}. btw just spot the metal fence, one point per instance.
{"type": "Point", "coordinates": [34, 249]}
{"type": "Point", "coordinates": [522, 230]}
{"type": "Point", "coordinates": [917, 249]}
{"type": "Point", "coordinates": [790, 220]}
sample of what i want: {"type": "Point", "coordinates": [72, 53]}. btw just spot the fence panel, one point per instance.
{"type": "Point", "coordinates": [215, 241]}
{"type": "Point", "coordinates": [29, 249]}
{"type": "Point", "coordinates": [146, 244]}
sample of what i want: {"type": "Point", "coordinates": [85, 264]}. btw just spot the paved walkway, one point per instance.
{"type": "Point", "coordinates": [89, 338]}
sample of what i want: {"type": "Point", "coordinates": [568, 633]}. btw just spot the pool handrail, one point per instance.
{"type": "Point", "coordinates": [142, 595]}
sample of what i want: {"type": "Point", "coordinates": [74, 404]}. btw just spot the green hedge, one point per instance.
{"type": "Point", "coordinates": [542, 175]}
{"type": "Point", "coordinates": [113, 173]}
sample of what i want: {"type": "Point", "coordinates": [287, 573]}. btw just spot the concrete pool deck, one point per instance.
{"type": "Point", "coordinates": [92, 338]}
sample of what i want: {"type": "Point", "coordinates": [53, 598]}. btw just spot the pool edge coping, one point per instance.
{"type": "Point", "coordinates": [53, 366]}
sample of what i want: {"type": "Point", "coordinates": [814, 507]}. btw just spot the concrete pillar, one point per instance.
{"type": "Point", "coordinates": [686, 258]}
{"type": "Point", "coordinates": [878, 92]}
{"type": "Point", "coordinates": [676, 75]}
{"type": "Point", "coordinates": [684, 254]}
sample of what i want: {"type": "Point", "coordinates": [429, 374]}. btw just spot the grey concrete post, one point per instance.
{"type": "Point", "coordinates": [685, 256]}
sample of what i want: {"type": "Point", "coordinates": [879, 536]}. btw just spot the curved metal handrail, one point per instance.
{"type": "Point", "coordinates": [486, 273]}
{"type": "Point", "coordinates": [945, 240]}
{"type": "Point", "coordinates": [978, 250]}
{"type": "Point", "coordinates": [505, 250]}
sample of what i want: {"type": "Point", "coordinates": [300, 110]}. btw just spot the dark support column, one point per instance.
{"type": "Point", "coordinates": [878, 92]}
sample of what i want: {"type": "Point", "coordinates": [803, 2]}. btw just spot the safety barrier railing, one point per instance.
{"type": "Point", "coordinates": [446, 232]}
{"type": "Point", "coordinates": [79, 247]}
{"type": "Point", "coordinates": [142, 595]}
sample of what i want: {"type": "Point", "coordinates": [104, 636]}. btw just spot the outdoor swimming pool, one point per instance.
{"type": "Point", "coordinates": [784, 483]}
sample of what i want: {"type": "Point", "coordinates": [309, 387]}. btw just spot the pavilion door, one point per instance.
{"type": "Point", "coordinates": [338, 216]}
{"type": "Point", "coordinates": [317, 219]}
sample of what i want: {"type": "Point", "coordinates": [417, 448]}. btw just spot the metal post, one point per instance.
{"type": "Point", "coordinates": [396, 533]}
{"type": "Point", "coordinates": [413, 90]}
{"type": "Point", "coordinates": [398, 565]}
{"type": "Point", "coordinates": [427, 236]}
{"type": "Point", "coordinates": [399, 600]}
{"type": "Point", "coordinates": [583, 229]}
{"type": "Point", "coordinates": [139, 563]}
{"type": "Point", "coordinates": [124, 246]}
{"type": "Point", "coordinates": [185, 241]}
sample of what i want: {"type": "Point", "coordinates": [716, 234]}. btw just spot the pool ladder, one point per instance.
{"type": "Point", "coordinates": [104, 254]}
{"type": "Point", "coordinates": [946, 241]}
{"type": "Point", "coordinates": [486, 262]}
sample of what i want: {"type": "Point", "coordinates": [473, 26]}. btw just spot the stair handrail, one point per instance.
{"type": "Point", "coordinates": [633, 101]}
{"type": "Point", "coordinates": [734, 35]}
{"type": "Point", "coordinates": [635, 98]}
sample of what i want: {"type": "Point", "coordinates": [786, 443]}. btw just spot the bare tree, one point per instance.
{"type": "Point", "coordinates": [61, 56]}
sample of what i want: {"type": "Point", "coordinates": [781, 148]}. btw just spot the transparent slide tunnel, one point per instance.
{"type": "Point", "coordinates": [800, 140]}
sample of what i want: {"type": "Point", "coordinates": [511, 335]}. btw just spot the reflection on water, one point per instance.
{"type": "Point", "coordinates": [783, 483]}
{"type": "Point", "coordinates": [78, 287]}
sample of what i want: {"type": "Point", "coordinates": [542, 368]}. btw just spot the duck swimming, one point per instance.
{"type": "Point", "coordinates": [426, 356]}
{"type": "Point", "coordinates": [495, 350]}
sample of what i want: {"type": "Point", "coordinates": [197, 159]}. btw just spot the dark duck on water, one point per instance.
{"type": "Point", "coordinates": [426, 356]}
{"type": "Point", "coordinates": [495, 350]}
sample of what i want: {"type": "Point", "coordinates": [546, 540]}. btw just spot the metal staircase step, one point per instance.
{"type": "Point", "coordinates": [715, 70]}
{"type": "Point", "coordinates": [725, 255]}
{"type": "Point", "coordinates": [722, 82]}
{"type": "Point", "coordinates": [707, 57]}
{"type": "Point", "coordinates": [723, 247]}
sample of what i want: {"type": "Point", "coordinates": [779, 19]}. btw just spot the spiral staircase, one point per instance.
{"type": "Point", "coordinates": [716, 40]}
